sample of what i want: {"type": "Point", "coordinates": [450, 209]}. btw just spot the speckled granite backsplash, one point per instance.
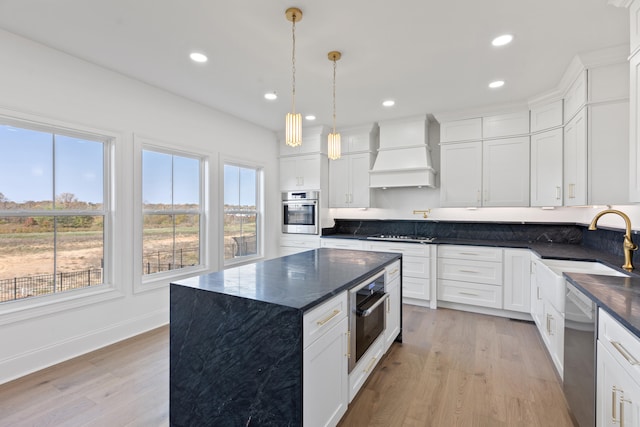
{"type": "Point", "coordinates": [603, 239]}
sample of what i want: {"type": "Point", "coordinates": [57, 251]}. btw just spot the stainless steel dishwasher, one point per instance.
{"type": "Point", "coordinates": [580, 328]}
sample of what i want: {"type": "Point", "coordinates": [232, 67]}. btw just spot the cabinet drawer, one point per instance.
{"type": "Point", "coordinates": [470, 252]}
{"type": "Point", "coordinates": [414, 249]}
{"type": "Point", "coordinates": [415, 287]}
{"type": "Point", "coordinates": [341, 243]}
{"type": "Point", "coordinates": [310, 242]}
{"type": "Point", "coordinates": [322, 318]}
{"type": "Point", "coordinates": [470, 271]}
{"type": "Point", "coordinates": [470, 293]}
{"type": "Point", "coordinates": [413, 266]}
{"type": "Point", "coordinates": [623, 345]}
{"type": "Point", "coordinates": [392, 272]}
{"type": "Point", "coordinates": [365, 365]}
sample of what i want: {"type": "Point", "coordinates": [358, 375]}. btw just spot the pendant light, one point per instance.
{"type": "Point", "coordinates": [334, 137]}
{"type": "Point", "coordinates": [293, 126]}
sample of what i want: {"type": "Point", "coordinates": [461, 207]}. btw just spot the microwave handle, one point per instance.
{"type": "Point", "coordinates": [369, 310]}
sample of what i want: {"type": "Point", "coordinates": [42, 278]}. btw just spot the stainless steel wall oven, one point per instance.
{"type": "Point", "coordinates": [367, 315]}
{"type": "Point", "coordinates": [300, 212]}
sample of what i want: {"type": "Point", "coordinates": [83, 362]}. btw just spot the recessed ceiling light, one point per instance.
{"type": "Point", "coordinates": [310, 117]}
{"type": "Point", "coordinates": [389, 103]}
{"type": "Point", "coordinates": [502, 40]}
{"type": "Point", "coordinates": [271, 96]}
{"type": "Point", "coordinates": [198, 57]}
{"type": "Point", "coordinates": [496, 84]}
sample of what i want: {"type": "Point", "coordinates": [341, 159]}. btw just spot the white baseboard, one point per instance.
{"type": "Point", "coordinates": [37, 359]}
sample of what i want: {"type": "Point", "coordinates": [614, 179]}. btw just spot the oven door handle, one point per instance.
{"type": "Point", "coordinates": [368, 311]}
{"type": "Point", "coordinates": [300, 203]}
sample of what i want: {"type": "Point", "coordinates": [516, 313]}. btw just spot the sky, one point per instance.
{"type": "Point", "coordinates": [27, 171]}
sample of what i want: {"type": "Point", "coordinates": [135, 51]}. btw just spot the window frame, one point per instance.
{"type": "Point", "coordinates": [147, 282]}
{"type": "Point", "coordinates": [260, 211]}
{"type": "Point", "coordinates": [111, 286]}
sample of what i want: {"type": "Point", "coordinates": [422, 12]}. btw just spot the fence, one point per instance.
{"type": "Point", "coordinates": [157, 261]}
{"type": "Point", "coordinates": [23, 287]}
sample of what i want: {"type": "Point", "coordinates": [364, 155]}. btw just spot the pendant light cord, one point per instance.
{"type": "Point", "coordinates": [334, 95]}
{"type": "Point", "coordinates": [293, 65]}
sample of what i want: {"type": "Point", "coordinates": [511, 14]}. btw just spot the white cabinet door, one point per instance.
{"type": "Point", "coordinates": [393, 313]}
{"type": "Point", "coordinates": [576, 96]}
{"type": "Point", "coordinates": [505, 170]}
{"type": "Point", "coordinates": [461, 130]}
{"type": "Point", "coordinates": [554, 331]}
{"type": "Point", "coordinates": [325, 378]}
{"type": "Point", "coordinates": [634, 125]}
{"type": "Point", "coordinates": [502, 125]}
{"type": "Point", "coordinates": [617, 394]}
{"type": "Point", "coordinates": [546, 116]}
{"type": "Point", "coordinates": [575, 161]}
{"type": "Point", "coordinates": [517, 280]}
{"type": "Point", "coordinates": [301, 172]}
{"type": "Point", "coordinates": [359, 177]}
{"type": "Point", "coordinates": [537, 303]}
{"type": "Point", "coordinates": [546, 168]}
{"type": "Point", "coordinates": [608, 141]}
{"type": "Point", "coordinates": [461, 174]}
{"type": "Point", "coordinates": [349, 181]}
{"type": "Point", "coordinates": [339, 190]}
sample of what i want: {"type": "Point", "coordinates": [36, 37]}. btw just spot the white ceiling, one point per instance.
{"type": "Point", "coordinates": [430, 56]}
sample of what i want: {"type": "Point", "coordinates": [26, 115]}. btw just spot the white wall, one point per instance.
{"type": "Point", "coordinates": [42, 83]}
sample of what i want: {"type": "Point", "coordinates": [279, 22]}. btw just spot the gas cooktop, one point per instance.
{"type": "Point", "coordinates": [401, 238]}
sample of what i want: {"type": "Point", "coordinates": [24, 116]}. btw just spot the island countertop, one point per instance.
{"type": "Point", "coordinates": [299, 281]}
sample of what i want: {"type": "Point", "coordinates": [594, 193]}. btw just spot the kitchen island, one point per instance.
{"type": "Point", "coordinates": [236, 336]}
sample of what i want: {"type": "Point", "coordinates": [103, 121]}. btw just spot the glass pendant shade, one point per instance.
{"type": "Point", "coordinates": [334, 146]}
{"type": "Point", "coordinates": [293, 129]}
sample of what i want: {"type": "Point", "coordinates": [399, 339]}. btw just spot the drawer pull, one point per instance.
{"type": "Point", "coordinates": [469, 293]}
{"type": "Point", "coordinates": [469, 271]}
{"type": "Point", "coordinates": [394, 271]}
{"type": "Point", "coordinates": [469, 253]}
{"type": "Point", "coordinates": [373, 362]}
{"type": "Point", "coordinates": [348, 345]}
{"type": "Point", "coordinates": [329, 317]}
{"type": "Point", "coordinates": [622, 402]}
{"type": "Point", "coordinates": [623, 351]}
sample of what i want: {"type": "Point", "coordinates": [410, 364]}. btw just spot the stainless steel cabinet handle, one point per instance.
{"type": "Point", "coordinates": [623, 351]}
{"type": "Point", "coordinates": [558, 193]}
{"type": "Point", "coordinates": [329, 317]}
{"type": "Point", "coordinates": [348, 345]}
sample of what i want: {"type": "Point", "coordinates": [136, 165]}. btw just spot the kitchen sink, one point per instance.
{"type": "Point", "coordinates": [587, 267]}
{"type": "Point", "coordinates": [552, 284]}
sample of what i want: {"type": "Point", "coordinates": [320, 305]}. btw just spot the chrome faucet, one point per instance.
{"type": "Point", "coordinates": [627, 245]}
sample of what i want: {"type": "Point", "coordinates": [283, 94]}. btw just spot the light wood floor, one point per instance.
{"type": "Point", "coordinates": [453, 369]}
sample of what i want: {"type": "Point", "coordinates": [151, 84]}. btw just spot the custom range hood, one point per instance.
{"type": "Point", "coordinates": [404, 156]}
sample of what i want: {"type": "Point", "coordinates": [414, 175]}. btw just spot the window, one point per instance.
{"type": "Point", "coordinates": [52, 210]}
{"type": "Point", "coordinates": [172, 211]}
{"type": "Point", "coordinates": [241, 213]}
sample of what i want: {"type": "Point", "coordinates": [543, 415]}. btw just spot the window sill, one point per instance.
{"type": "Point", "coordinates": [236, 262]}
{"type": "Point", "coordinates": [162, 280]}
{"type": "Point", "coordinates": [29, 308]}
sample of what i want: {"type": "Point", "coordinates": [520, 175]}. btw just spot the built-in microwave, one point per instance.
{"type": "Point", "coordinates": [300, 212]}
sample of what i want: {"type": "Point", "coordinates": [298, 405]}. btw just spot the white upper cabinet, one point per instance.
{"type": "Point", "coordinates": [349, 181]}
{"type": "Point", "coordinates": [546, 168]}
{"type": "Point", "coordinates": [314, 140]}
{"type": "Point", "coordinates": [502, 125]}
{"type": "Point", "coordinates": [301, 172]}
{"type": "Point", "coordinates": [461, 174]}
{"type": "Point", "coordinates": [576, 96]}
{"type": "Point", "coordinates": [546, 116]}
{"type": "Point", "coordinates": [461, 130]}
{"type": "Point", "coordinates": [505, 172]}
{"type": "Point", "coordinates": [575, 161]}
{"type": "Point", "coordinates": [634, 26]}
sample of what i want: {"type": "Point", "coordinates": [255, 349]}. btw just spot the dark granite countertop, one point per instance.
{"type": "Point", "coordinates": [564, 251]}
{"type": "Point", "coordinates": [300, 281]}
{"type": "Point", "coordinates": [618, 296]}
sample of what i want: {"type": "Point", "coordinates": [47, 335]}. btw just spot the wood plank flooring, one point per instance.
{"type": "Point", "coordinates": [453, 369]}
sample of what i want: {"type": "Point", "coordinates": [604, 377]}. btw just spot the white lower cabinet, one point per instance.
{"type": "Point", "coordinates": [537, 303]}
{"type": "Point", "coordinates": [392, 328]}
{"type": "Point", "coordinates": [517, 280]}
{"type": "Point", "coordinates": [324, 363]}
{"type": "Point", "coordinates": [295, 243]}
{"type": "Point", "coordinates": [470, 275]}
{"type": "Point", "coordinates": [553, 335]}
{"type": "Point", "coordinates": [618, 374]}
{"type": "Point", "coordinates": [367, 362]}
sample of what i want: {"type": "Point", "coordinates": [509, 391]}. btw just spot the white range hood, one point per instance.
{"type": "Point", "coordinates": [404, 156]}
